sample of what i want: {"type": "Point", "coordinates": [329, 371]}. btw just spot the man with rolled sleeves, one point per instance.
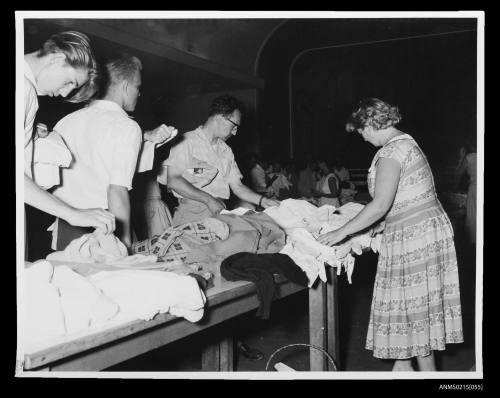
{"type": "Point", "coordinates": [201, 169]}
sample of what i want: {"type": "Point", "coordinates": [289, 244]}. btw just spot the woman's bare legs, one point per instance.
{"type": "Point", "coordinates": [402, 365]}
{"type": "Point", "coordinates": [427, 363]}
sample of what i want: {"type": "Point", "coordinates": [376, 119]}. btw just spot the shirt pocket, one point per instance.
{"type": "Point", "coordinates": [200, 173]}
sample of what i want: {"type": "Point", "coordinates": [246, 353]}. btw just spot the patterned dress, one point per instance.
{"type": "Point", "coordinates": [416, 298]}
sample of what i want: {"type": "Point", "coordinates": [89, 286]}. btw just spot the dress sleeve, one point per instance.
{"type": "Point", "coordinates": [395, 150]}
{"type": "Point", "coordinates": [124, 156]}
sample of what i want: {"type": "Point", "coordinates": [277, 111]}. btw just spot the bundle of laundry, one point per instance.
{"type": "Point", "coordinates": [304, 223]}
{"type": "Point", "coordinates": [97, 247]}
{"type": "Point", "coordinates": [59, 301]}
{"type": "Point", "coordinates": [49, 154]}
{"type": "Point", "coordinates": [204, 244]}
{"type": "Point", "coordinates": [259, 269]}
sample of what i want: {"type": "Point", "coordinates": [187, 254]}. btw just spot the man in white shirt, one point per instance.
{"type": "Point", "coordinates": [105, 143]}
{"type": "Point", "coordinates": [201, 169]}
{"type": "Point", "coordinates": [64, 65]}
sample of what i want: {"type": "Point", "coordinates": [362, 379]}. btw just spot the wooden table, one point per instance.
{"type": "Point", "coordinates": [103, 348]}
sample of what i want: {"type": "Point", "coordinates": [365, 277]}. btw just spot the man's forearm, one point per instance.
{"type": "Point", "coordinates": [246, 194]}
{"type": "Point", "coordinates": [187, 190]}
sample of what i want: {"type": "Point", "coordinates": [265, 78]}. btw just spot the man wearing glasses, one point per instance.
{"type": "Point", "coordinates": [201, 170]}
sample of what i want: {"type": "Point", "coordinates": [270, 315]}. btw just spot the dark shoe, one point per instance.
{"type": "Point", "coordinates": [250, 353]}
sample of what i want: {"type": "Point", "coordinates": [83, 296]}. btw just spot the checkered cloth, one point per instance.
{"type": "Point", "coordinates": [175, 243]}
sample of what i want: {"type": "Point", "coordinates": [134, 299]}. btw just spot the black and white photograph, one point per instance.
{"type": "Point", "coordinates": [250, 195]}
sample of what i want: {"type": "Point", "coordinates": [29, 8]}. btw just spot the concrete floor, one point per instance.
{"type": "Point", "coordinates": [289, 324]}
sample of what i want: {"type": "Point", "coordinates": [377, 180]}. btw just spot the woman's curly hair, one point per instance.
{"type": "Point", "coordinates": [374, 113]}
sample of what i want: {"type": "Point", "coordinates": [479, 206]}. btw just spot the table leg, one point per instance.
{"type": "Point", "coordinates": [332, 317]}
{"type": "Point", "coordinates": [218, 356]}
{"type": "Point", "coordinates": [317, 325]}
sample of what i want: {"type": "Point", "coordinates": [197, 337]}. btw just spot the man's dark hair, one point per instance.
{"type": "Point", "coordinates": [224, 105]}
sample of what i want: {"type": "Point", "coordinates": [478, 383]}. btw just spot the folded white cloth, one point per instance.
{"type": "Point", "coordinates": [143, 294]}
{"type": "Point", "coordinates": [93, 247]}
{"type": "Point", "coordinates": [49, 154]}
{"type": "Point", "coordinates": [59, 301]}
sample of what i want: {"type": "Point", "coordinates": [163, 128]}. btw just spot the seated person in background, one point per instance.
{"type": "Point", "coordinates": [306, 181]}
{"type": "Point", "coordinates": [201, 169]}
{"type": "Point", "coordinates": [105, 144]}
{"type": "Point", "coordinates": [347, 194]}
{"type": "Point", "coordinates": [328, 187]}
{"type": "Point", "coordinates": [342, 172]}
{"type": "Point", "coordinates": [259, 177]}
{"type": "Point", "coordinates": [279, 181]}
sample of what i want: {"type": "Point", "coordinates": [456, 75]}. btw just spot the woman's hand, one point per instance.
{"type": "Point", "coordinates": [332, 238]}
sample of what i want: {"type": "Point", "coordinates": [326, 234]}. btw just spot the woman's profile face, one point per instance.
{"type": "Point", "coordinates": [369, 134]}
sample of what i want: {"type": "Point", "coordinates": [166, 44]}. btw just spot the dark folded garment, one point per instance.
{"type": "Point", "coordinates": [259, 268]}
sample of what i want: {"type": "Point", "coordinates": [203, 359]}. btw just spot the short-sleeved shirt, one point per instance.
{"type": "Point", "coordinates": [30, 109]}
{"type": "Point", "coordinates": [105, 145]}
{"type": "Point", "coordinates": [209, 167]}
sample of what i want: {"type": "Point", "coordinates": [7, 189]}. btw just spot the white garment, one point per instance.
{"type": "Point", "coordinates": [30, 109]}
{"type": "Point", "coordinates": [304, 222]}
{"type": "Point", "coordinates": [105, 144]}
{"type": "Point", "coordinates": [50, 153]}
{"type": "Point", "coordinates": [96, 247]}
{"type": "Point", "coordinates": [143, 294]}
{"type": "Point", "coordinates": [59, 301]}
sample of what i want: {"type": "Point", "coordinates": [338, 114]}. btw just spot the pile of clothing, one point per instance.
{"type": "Point", "coordinates": [304, 222]}
{"type": "Point", "coordinates": [60, 301]}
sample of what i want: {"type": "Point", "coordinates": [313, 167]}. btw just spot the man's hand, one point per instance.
{"type": "Point", "coordinates": [97, 218]}
{"type": "Point", "coordinates": [161, 134]}
{"type": "Point", "coordinates": [216, 206]}
{"type": "Point", "coordinates": [41, 130]}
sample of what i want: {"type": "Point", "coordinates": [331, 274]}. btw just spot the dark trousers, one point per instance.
{"type": "Point", "coordinates": [67, 232]}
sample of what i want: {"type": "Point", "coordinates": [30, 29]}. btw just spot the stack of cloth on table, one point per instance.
{"type": "Point", "coordinates": [205, 244]}
{"type": "Point", "coordinates": [109, 253]}
{"type": "Point", "coordinates": [60, 299]}
{"type": "Point", "coordinates": [304, 222]}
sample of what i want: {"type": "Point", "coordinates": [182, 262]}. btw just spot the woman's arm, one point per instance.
{"type": "Point", "coordinates": [48, 203]}
{"type": "Point", "coordinates": [386, 185]}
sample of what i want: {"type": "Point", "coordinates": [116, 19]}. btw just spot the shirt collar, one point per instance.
{"type": "Point", "coordinates": [28, 73]}
{"type": "Point", "coordinates": [109, 105]}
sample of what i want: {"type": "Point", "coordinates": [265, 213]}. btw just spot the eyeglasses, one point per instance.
{"type": "Point", "coordinates": [235, 125]}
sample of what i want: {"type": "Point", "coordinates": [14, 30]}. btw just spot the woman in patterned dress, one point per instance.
{"type": "Point", "coordinates": [416, 299]}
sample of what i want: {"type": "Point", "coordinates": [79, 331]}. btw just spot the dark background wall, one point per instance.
{"type": "Point", "coordinates": [427, 67]}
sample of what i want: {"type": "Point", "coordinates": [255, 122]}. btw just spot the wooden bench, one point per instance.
{"type": "Point", "coordinates": [101, 349]}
